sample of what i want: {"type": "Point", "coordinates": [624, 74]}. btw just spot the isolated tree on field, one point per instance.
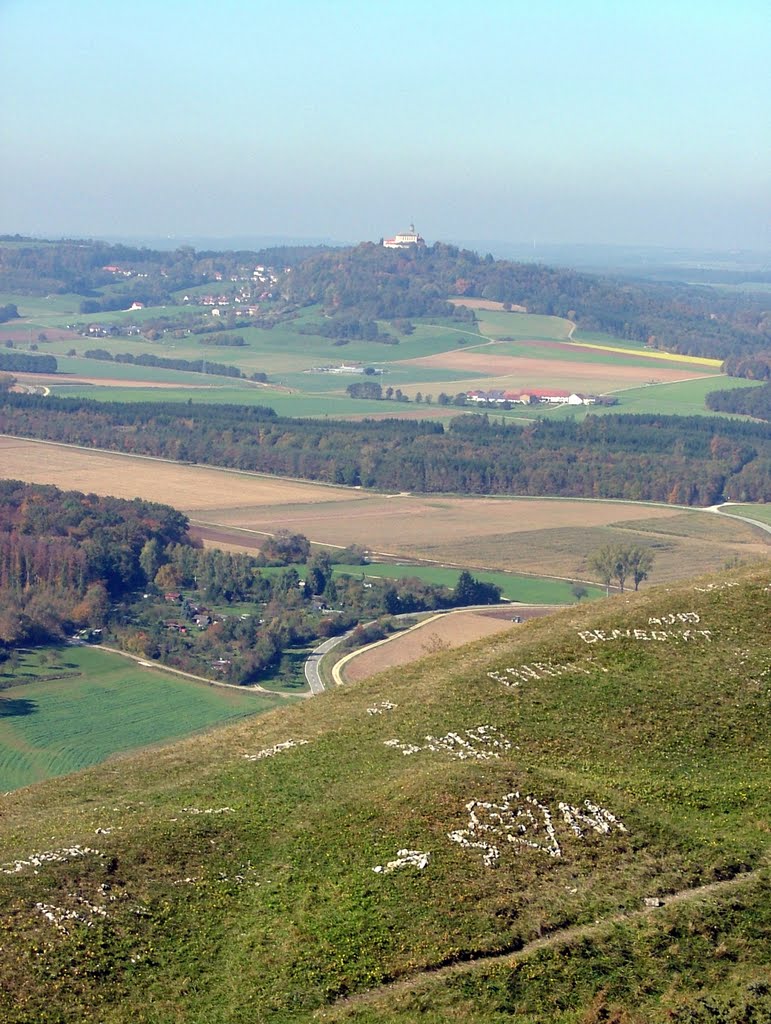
{"type": "Point", "coordinates": [640, 562]}
{"type": "Point", "coordinates": [603, 562]}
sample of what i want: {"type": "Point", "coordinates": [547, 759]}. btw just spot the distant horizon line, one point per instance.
{"type": "Point", "coordinates": [268, 240]}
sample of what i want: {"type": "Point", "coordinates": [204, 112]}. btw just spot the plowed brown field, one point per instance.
{"type": "Point", "coordinates": [443, 633]}
{"type": "Point", "coordinates": [524, 371]}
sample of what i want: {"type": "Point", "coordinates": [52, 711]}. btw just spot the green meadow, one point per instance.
{"type": "Point", "coordinates": [471, 838]}
{"type": "Point", "coordinates": [760, 512]}
{"type": "Point", "coordinates": [292, 361]}
{"type": "Point", "coordinates": [82, 705]}
{"type": "Point", "coordinates": [522, 589]}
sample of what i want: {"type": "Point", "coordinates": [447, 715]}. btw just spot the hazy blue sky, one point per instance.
{"type": "Point", "coordinates": [614, 121]}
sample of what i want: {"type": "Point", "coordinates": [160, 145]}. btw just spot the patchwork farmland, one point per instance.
{"type": "Point", "coordinates": [506, 350]}
{"type": "Point", "coordinates": [542, 536]}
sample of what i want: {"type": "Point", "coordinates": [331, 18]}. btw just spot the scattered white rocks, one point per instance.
{"type": "Point", "coordinates": [381, 706]}
{"type": "Point", "coordinates": [480, 744]}
{"type": "Point", "coordinates": [716, 586]}
{"type": "Point", "coordinates": [209, 810]}
{"type": "Point", "coordinates": [278, 748]}
{"type": "Point", "coordinates": [673, 617]}
{"type": "Point", "coordinates": [593, 636]}
{"type": "Point", "coordinates": [525, 821]}
{"type": "Point", "coordinates": [241, 878]}
{"type": "Point", "coordinates": [515, 676]}
{"type": "Point", "coordinates": [37, 860]}
{"type": "Point", "coordinates": [404, 859]}
{"type": "Point", "coordinates": [519, 820]}
{"type": "Point", "coordinates": [598, 818]}
{"type": "Point", "coordinates": [85, 912]}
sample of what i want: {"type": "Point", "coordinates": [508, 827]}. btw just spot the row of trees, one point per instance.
{"type": "Point", "coordinates": [683, 460]}
{"type": "Point", "coordinates": [23, 362]}
{"type": "Point", "coordinates": [167, 363]}
{"type": "Point", "coordinates": [621, 563]}
{"type": "Point", "coordinates": [746, 401]}
{"type": "Point", "coordinates": [348, 328]}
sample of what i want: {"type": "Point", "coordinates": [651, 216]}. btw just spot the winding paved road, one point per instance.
{"type": "Point", "coordinates": [312, 674]}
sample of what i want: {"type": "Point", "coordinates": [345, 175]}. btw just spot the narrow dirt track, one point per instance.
{"type": "Point", "coordinates": [564, 937]}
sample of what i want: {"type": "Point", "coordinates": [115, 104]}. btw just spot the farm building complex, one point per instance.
{"type": "Point", "coordinates": [532, 396]}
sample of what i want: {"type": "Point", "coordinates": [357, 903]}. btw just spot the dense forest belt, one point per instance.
{"type": "Point", "coordinates": [747, 401]}
{"type": "Point", "coordinates": [681, 460]}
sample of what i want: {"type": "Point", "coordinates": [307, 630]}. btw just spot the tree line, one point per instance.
{"type": "Point", "coordinates": [24, 362]}
{"type": "Point", "coordinates": [676, 459]}
{"type": "Point", "coordinates": [746, 401]}
{"type": "Point", "coordinates": [170, 363]}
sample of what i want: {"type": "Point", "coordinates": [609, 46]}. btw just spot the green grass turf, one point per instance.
{"type": "Point", "coordinates": [270, 911]}
{"type": "Point", "coordinates": [56, 307]}
{"type": "Point", "coordinates": [522, 325]}
{"type": "Point", "coordinates": [52, 727]}
{"type": "Point", "coordinates": [285, 404]}
{"type": "Point", "coordinates": [760, 512]}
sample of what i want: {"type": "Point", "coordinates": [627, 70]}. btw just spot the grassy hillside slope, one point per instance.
{"type": "Point", "coordinates": [554, 776]}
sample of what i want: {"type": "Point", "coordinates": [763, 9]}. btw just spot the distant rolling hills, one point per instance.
{"type": "Point", "coordinates": [567, 822]}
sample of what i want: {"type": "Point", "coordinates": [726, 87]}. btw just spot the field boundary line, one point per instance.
{"type": "Point", "coordinates": [338, 666]}
{"type": "Point", "coordinates": [564, 937]}
{"type": "Point", "coordinates": [666, 383]}
{"type": "Point", "coordinates": [143, 661]}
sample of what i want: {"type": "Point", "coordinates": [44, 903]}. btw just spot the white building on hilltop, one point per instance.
{"type": "Point", "coordinates": [404, 240]}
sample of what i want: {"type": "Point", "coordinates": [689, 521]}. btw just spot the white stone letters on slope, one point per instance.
{"type": "Point", "coordinates": [277, 748]}
{"type": "Point", "coordinates": [404, 859]}
{"type": "Point", "coordinates": [526, 822]}
{"type": "Point", "coordinates": [480, 744]}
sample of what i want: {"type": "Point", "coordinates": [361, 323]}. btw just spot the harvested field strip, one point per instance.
{"type": "Point", "coordinates": [439, 633]}
{"type": "Point", "coordinates": [542, 536]}
{"type": "Point", "coordinates": [522, 372]}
